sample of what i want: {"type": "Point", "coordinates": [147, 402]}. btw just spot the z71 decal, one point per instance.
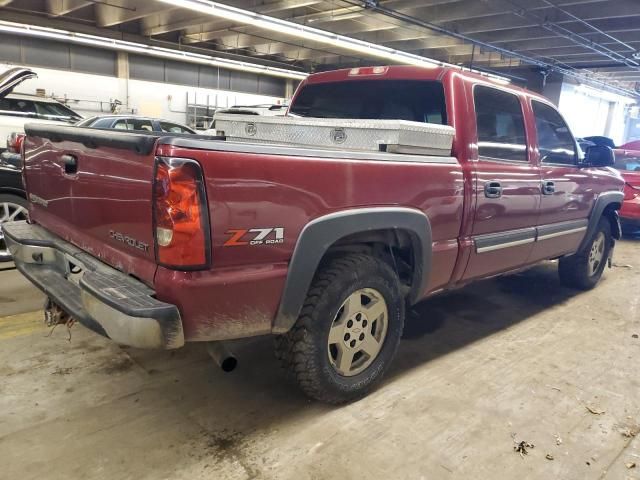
{"type": "Point", "coordinates": [254, 236]}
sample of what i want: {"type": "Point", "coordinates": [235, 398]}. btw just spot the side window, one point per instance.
{"type": "Point", "coordinates": [19, 107]}
{"type": "Point", "coordinates": [173, 128]}
{"type": "Point", "coordinates": [121, 124]}
{"type": "Point", "coordinates": [106, 123]}
{"type": "Point", "coordinates": [554, 138]}
{"type": "Point", "coordinates": [140, 124]}
{"type": "Point", "coordinates": [54, 111]}
{"type": "Point", "coordinates": [500, 124]}
{"type": "Point", "coordinates": [5, 108]}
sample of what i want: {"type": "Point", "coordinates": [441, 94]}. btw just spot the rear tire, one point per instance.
{"type": "Point", "coordinates": [584, 269]}
{"type": "Point", "coordinates": [348, 330]}
{"type": "Point", "coordinates": [12, 207]}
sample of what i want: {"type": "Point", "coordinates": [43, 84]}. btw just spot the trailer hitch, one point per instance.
{"type": "Point", "coordinates": [54, 316]}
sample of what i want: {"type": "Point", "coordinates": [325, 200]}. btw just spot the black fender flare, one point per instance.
{"type": "Point", "coordinates": [320, 234]}
{"type": "Point", "coordinates": [603, 201]}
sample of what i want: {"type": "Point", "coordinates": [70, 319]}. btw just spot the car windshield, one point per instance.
{"type": "Point", "coordinates": [419, 101]}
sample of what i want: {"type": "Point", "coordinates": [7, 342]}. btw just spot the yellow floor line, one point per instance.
{"type": "Point", "coordinates": [21, 324]}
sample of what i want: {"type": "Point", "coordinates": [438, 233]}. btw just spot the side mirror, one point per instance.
{"type": "Point", "coordinates": [599, 156]}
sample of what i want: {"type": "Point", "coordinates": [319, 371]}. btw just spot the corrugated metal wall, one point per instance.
{"type": "Point", "coordinates": [63, 56]}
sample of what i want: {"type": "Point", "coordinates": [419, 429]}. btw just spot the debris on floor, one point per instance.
{"type": "Point", "coordinates": [522, 446]}
{"type": "Point", "coordinates": [558, 439]}
{"type": "Point", "coordinates": [630, 465]}
{"type": "Point", "coordinates": [635, 335]}
{"type": "Point", "coordinates": [595, 410]}
{"type": "Point", "coordinates": [618, 265]}
{"type": "Point", "coordinates": [549, 456]}
{"type": "Point", "coordinates": [630, 432]}
{"type": "Point", "coordinates": [62, 371]}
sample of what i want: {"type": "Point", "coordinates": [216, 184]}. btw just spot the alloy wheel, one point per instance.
{"type": "Point", "coordinates": [596, 254]}
{"type": "Point", "coordinates": [358, 332]}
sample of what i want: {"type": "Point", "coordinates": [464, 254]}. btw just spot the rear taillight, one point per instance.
{"type": "Point", "coordinates": [180, 215]}
{"type": "Point", "coordinates": [14, 142]}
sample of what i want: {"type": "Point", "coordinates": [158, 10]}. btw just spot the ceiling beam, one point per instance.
{"type": "Point", "coordinates": [480, 9]}
{"type": "Point", "coordinates": [560, 43]}
{"type": "Point", "coordinates": [590, 13]}
{"type": "Point", "coordinates": [351, 27]}
{"type": "Point", "coordinates": [164, 23]}
{"type": "Point", "coordinates": [347, 27]}
{"type": "Point", "coordinates": [63, 7]}
{"type": "Point", "coordinates": [116, 12]}
{"type": "Point", "coordinates": [492, 20]}
{"type": "Point", "coordinates": [64, 24]}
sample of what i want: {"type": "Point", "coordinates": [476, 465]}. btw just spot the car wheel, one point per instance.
{"type": "Point", "coordinates": [584, 269]}
{"type": "Point", "coordinates": [12, 208]}
{"type": "Point", "coordinates": [348, 330]}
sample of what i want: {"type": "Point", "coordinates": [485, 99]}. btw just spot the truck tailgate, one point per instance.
{"type": "Point", "coordinates": [94, 189]}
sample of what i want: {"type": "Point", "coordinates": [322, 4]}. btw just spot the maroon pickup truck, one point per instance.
{"type": "Point", "coordinates": [154, 240]}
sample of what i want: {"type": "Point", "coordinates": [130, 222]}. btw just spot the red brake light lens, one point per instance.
{"type": "Point", "coordinates": [180, 215]}
{"type": "Point", "coordinates": [359, 71]}
{"type": "Point", "coordinates": [14, 142]}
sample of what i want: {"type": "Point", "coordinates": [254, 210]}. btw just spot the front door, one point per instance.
{"type": "Point", "coordinates": [507, 185]}
{"type": "Point", "coordinates": [568, 192]}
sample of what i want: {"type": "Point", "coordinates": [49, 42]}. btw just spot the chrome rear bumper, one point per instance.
{"type": "Point", "coordinates": [100, 297]}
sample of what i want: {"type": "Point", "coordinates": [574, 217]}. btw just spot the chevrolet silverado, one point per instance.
{"type": "Point", "coordinates": [155, 239]}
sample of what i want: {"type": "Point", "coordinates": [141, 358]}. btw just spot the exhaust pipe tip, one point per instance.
{"type": "Point", "coordinates": [229, 364]}
{"type": "Point", "coordinates": [222, 356]}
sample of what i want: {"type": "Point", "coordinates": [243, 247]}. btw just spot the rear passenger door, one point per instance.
{"type": "Point", "coordinates": [507, 185]}
{"type": "Point", "coordinates": [568, 193]}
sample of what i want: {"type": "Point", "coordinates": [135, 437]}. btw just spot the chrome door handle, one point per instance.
{"type": "Point", "coordinates": [492, 189]}
{"type": "Point", "coordinates": [548, 188]}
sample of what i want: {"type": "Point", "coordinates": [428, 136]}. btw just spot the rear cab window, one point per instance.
{"type": "Point", "coordinates": [500, 124]}
{"type": "Point", "coordinates": [414, 100]}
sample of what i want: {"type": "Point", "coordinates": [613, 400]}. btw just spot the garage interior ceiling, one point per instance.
{"type": "Point", "coordinates": [596, 40]}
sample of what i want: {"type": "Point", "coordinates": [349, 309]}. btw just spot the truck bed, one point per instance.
{"type": "Point", "coordinates": [105, 208]}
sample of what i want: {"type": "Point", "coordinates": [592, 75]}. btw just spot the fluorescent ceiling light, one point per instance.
{"type": "Point", "coordinates": [133, 47]}
{"type": "Point", "coordinates": [302, 31]}
{"type": "Point", "coordinates": [305, 32]}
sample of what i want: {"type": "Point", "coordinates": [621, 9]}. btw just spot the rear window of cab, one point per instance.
{"type": "Point", "coordinates": [414, 100]}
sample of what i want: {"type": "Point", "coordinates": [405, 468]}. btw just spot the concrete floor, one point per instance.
{"type": "Point", "coordinates": [508, 360]}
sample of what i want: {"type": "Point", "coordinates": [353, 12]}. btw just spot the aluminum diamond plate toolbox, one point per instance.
{"type": "Point", "coordinates": [395, 136]}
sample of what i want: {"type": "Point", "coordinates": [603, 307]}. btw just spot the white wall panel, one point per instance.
{"type": "Point", "coordinates": [169, 99]}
